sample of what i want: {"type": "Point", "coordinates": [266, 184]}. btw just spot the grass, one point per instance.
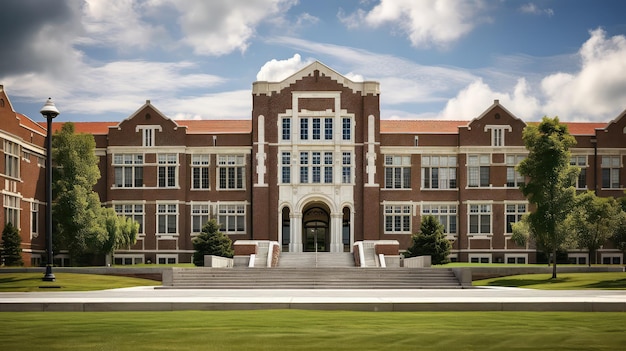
{"type": "Point", "coordinates": [311, 330]}
{"type": "Point", "coordinates": [68, 282]}
{"type": "Point", "coordinates": [564, 281]}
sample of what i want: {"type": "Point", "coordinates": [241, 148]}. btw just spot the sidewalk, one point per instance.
{"type": "Point", "coordinates": [478, 299]}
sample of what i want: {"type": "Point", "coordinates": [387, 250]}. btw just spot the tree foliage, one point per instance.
{"type": "Point", "coordinates": [619, 234]}
{"type": "Point", "coordinates": [83, 226]}
{"type": "Point", "coordinates": [549, 187]}
{"type": "Point", "coordinates": [430, 241]}
{"type": "Point", "coordinates": [593, 221]}
{"type": "Point", "coordinates": [11, 246]}
{"type": "Point", "coordinates": [211, 242]}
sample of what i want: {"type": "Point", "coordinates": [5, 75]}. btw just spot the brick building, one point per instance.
{"type": "Point", "coordinates": [315, 166]}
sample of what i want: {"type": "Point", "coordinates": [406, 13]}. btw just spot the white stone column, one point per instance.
{"type": "Point", "coordinates": [295, 240]}
{"type": "Point", "coordinates": [336, 232]}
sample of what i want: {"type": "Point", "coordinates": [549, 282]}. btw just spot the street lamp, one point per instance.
{"type": "Point", "coordinates": [49, 111]}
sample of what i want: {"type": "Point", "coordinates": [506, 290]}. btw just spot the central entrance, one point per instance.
{"type": "Point", "coordinates": [315, 228]}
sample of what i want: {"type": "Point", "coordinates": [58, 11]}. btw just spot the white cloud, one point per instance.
{"type": "Point", "coordinates": [225, 105]}
{"type": "Point", "coordinates": [532, 9]}
{"type": "Point", "coordinates": [426, 22]}
{"type": "Point", "coordinates": [219, 27]}
{"type": "Point", "coordinates": [598, 90]}
{"type": "Point", "coordinates": [478, 96]}
{"type": "Point", "coordinates": [277, 70]}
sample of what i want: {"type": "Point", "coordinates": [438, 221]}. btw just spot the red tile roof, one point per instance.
{"type": "Point", "coordinates": [420, 126]}
{"type": "Point", "coordinates": [29, 123]}
{"type": "Point", "coordinates": [217, 126]}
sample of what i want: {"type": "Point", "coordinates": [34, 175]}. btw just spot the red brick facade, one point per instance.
{"type": "Point", "coordinates": [314, 168]}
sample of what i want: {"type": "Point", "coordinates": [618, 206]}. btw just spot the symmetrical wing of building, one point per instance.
{"type": "Point", "coordinates": [314, 167]}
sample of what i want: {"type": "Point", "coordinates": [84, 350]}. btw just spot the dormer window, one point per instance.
{"type": "Point", "coordinates": [497, 134]}
{"type": "Point", "coordinates": [148, 134]}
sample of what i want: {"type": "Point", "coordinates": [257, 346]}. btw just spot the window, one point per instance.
{"type": "Point", "coordinates": [514, 213]}
{"type": "Point", "coordinates": [328, 129]}
{"type": "Point", "coordinates": [398, 219]}
{"type": "Point", "coordinates": [611, 259]}
{"type": "Point", "coordinates": [610, 171]}
{"type": "Point", "coordinates": [168, 163]}
{"type": "Point", "coordinates": [480, 258]}
{"type": "Point", "coordinates": [199, 171]}
{"type": "Point", "coordinates": [167, 219]}
{"type": "Point", "coordinates": [346, 170]}
{"type": "Point", "coordinates": [41, 161]}
{"type": "Point", "coordinates": [439, 172]}
{"type": "Point", "coordinates": [312, 172]}
{"type": "Point", "coordinates": [286, 167]}
{"type": "Point", "coordinates": [34, 220]}
{"type": "Point", "coordinates": [199, 217]}
{"type": "Point", "coordinates": [286, 127]}
{"type": "Point", "coordinates": [11, 159]}
{"type": "Point", "coordinates": [128, 169]}
{"type": "Point", "coordinates": [497, 137]}
{"type": "Point", "coordinates": [231, 171]}
{"type": "Point", "coordinates": [478, 170]}
{"type": "Point", "coordinates": [397, 172]}
{"type": "Point", "coordinates": [167, 259]}
{"type": "Point", "coordinates": [480, 219]}
{"type": "Point", "coordinates": [232, 218]}
{"type": "Point", "coordinates": [446, 214]}
{"type": "Point", "coordinates": [132, 211]}
{"type": "Point", "coordinates": [317, 128]}
{"type": "Point", "coordinates": [12, 210]}
{"type": "Point", "coordinates": [513, 178]}
{"type": "Point", "coordinates": [127, 260]}
{"type": "Point", "coordinates": [147, 136]}
{"type": "Point", "coordinates": [581, 163]}
{"type": "Point", "coordinates": [26, 156]}
{"type": "Point", "coordinates": [346, 128]}
{"type": "Point", "coordinates": [515, 259]}
{"type": "Point", "coordinates": [304, 128]}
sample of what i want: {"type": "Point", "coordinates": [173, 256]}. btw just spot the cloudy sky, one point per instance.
{"type": "Point", "coordinates": [435, 59]}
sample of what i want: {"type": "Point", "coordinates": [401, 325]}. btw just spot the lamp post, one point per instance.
{"type": "Point", "coordinates": [49, 111]}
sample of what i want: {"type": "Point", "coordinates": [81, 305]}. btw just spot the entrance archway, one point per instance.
{"type": "Point", "coordinates": [315, 228]}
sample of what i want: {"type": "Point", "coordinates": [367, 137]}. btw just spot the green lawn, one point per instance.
{"type": "Point", "coordinates": [564, 281]}
{"type": "Point", "coordinates": [67, 282]}
{"type": "Point", "coordinates": [311, 330]}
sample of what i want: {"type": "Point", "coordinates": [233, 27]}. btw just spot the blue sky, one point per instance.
{"type": "Point", "coordinates": [435, 59]}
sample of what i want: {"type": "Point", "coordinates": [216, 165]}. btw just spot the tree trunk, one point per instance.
{"type": "Point", "coordinates": [554, 264]}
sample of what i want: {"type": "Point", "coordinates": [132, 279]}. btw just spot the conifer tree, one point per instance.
{"type": "Point", "coordinates": [211, 242]}
{"type": "Point", "coordinates": [11, 246]}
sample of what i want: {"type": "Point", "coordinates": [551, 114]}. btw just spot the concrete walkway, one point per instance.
{"type": "Point", "coordinates": [478, 299]}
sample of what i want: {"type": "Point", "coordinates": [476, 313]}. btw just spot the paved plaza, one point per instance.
{"type": "Point", "coordinates": [475, 299]}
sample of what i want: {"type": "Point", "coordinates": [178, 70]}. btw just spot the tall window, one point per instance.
{"type": "Point", "coordinates": [304, 128]}
{"type": "Point", "coordinates": [148, 136]}
{"type": "Point", "coordinates": [317, 128]}
{"type": "Point", "coordinates": [514, 213]}
{"type": "Point", "coordinates": [168, 163]}
{"type": "Point", "coordinates": [610, 171]}
{"type": "Point", "coordinates": [167, 219]}
{"type": "Point", "coordinates": [328, 129]}
{"type": "Point", "coordinates": [480, 219]}
{"type": "Point", "coordinates": [316, 167]}
{"type": "Point", "coordinates": [286, 128]}
{"type": "Point", "coordinates": [439, 172]}
{"type": "Point", "coordinates": [497, 137]}
{"type": "Point", "coordinates": [285, 167]}
{"type": "Point", "coordinates": [34, 220]}
{"type": "Point", "coordinates": [397, 172]}
{"type": "Point", "coordinates": [398, 219]}
{"type": "Point", "coordinates": [199, 217]}
{"type": "Point", "coordinates": [11, 159]}
{"type": "Point", "coordinates": [132, 211]}
{"type": "Point", "coordinates": [128, 169]}
{"type": "Point", "coordinates": [12, 210]}
{"type": "Point", "coordinates": [346, 128]}
{"type": "Point", "coordinates": [513, 178]}
{"type": "Point", "coordinates": [346, 169]}
{"type": "Point", "coordinates": [478, 170]}
{"type": "Point", "coordinates": [200, 171]}
{"type": "Point", "coordinates": [446, 214]}
{"type": "Point", "coordinates": [231, 171]}
{"type": "Point", "coordinates": [581, 163]}
{"type": "Point", "coordinates": [232, 218]}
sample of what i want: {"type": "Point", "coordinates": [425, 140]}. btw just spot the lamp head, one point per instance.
{"type": "Point", "coordinates": [49, 110]}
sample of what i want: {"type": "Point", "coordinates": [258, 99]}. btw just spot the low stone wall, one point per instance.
{"type": "Point", "coordinates": [152, 273]}
{"type": "Point", "coordinates": [275, 255]}
{"type": "Point", "coordinates": [417, 262]}
{"type": "Point", "coordinates": [479, 273]}
{"type": "Point", "coordinates": [217, 261]}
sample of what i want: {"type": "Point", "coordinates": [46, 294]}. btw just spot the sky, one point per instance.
{"type": "Point", "coordinates": [100, 60]}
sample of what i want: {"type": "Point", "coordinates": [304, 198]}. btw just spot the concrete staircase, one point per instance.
{"type": "Point", "coordinates": [313, 278]}
{"type": "Point", "coordinates": [312, 259]}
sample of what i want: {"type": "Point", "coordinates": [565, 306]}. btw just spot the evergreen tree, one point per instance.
{"type": "Point", "coordinates": [11, 246]}
{"type": "Point", "coordinates": [549, 186]}
{"type": "Point", "coordinates": [430, 241]}
{"type": "Point", "coordinates": [211, 242]}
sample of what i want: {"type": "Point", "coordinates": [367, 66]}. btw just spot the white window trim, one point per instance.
{"type": "Point", "coordinates": [245, 215]}
{"type": "Point", "coordinates": [131, 256]}
{"type": "Point", "coordinates": [612, 255]}
{"type": "Point", "coordinates": [479, 203]}
{"type": "Point", "coordinates": [192, 165]}
{"type": "Point", "coordinates": [516, 203]}
{"type": "Point", "coordinates": [144, 128]}
{"type": "Point", "coordinates": [479, 256]}
{"type": "Point", "coordinates": [495, 129]}
{"type": "Point", "coordinates": [166, 256]}
{"type": "Point", "coordinates": [412, 214]}
{"type": "Point", "coordinates": [516, 256]}
{"type": "Point", "coordinates": [157, 214]}
{"type": "Point", "coordinates": [192, 215]}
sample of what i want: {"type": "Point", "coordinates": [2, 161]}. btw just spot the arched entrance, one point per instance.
{"type": "Point", "coordinates": [315, 228]}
